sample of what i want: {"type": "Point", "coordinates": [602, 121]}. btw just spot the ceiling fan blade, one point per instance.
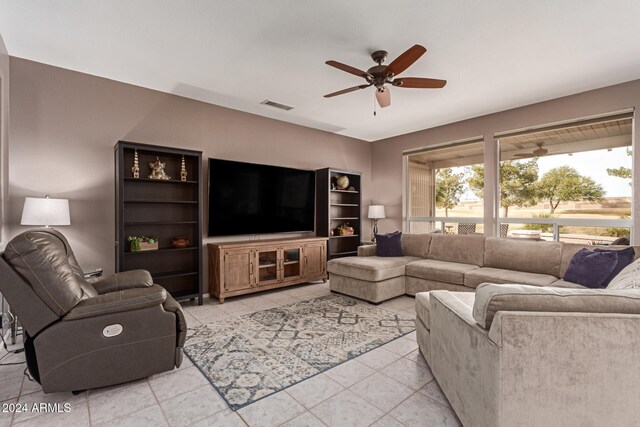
{"type": "Point", "coordinates": [419, 83]}
{"type": "Point", "coordinates": [405, 60]}
{"type": "Point", "coordinates": [384, 97]}
{"type": "Point", "coordinates": [343, 91]}
{"type": "Point", "coordinates": [349, 69]}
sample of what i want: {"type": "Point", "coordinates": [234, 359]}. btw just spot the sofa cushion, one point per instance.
{"type": "Point", "coordinates": [389, 245]}
{"type": "Point", "coordinates": [416, 244]}
{"type": "Point", "coordinates": [491, 298]}
{"type": "Point", "coordinates": [371, 268]}
{"type": "Point", "coordinates": [440, 271]}
{"type": "Point", "coordinates": [423, 304]}
{"type": "Point", "coordinates": [496, 275]}
{"type": "Point", "coordinates": [462, 248]}
{"type": "Point", "coordinates": [628, 278]}
{"type": "Point", "coordinates": [519, 255]}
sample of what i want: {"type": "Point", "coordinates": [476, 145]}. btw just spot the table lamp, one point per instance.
{"type": "Point", "coordinates": [376, 212]}
{"type": "Point", "coordinates": [45, 212]}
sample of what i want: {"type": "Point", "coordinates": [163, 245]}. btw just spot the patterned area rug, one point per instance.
{"type": "Point", "coordinates": [252, 356]}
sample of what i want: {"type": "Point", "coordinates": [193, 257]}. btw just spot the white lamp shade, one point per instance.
{"type": "Point", "coordinates": [45, 211]}
{"type": "Point", "coordinates": [376, 212]}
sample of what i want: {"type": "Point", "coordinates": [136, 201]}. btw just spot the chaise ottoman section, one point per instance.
{"type": "Point", "coordinates": [374, 279]}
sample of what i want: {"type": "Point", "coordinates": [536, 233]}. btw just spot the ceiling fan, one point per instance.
{"type": "Point", "coordinates": [382, 75]}
{"type": "Point", "coordinates": [538, 152]}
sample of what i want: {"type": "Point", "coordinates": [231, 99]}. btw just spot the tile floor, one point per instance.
{"type": "Point", "coordinates": [389, 386]}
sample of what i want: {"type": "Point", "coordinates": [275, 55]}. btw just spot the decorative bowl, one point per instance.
{"type": "Point", "coordinates": [180, 242]}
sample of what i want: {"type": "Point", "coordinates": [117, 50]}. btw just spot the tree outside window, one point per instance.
{"type": "Point", "coordinates": [517, 183]}
{"type": "Point", "coordinates": [449, 188]}
{"type": "Point", "coordinates": [565, 184]}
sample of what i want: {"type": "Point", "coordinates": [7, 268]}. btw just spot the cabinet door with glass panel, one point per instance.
{"type": "Point", "coordinates": [290, 263]}
{"type": "Point", "coordinates": [276, 265]}
{"type": "Point", "coordinates": [268, 263]}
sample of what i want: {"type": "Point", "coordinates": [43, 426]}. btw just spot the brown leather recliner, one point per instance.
{"type": "Point", "coordinates": [81, 335]}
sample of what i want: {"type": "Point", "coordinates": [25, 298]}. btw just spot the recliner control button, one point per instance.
{"type": "Point", "coordinates": [112, 330]}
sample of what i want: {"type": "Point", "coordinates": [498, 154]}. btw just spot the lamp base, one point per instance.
{"type": "Point", "coordinates": [375, 230]}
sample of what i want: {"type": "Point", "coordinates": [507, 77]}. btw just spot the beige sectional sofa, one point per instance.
{"type": "Point", "coordinates": [546, 352]}
{"type": "Point", "coordinates": [451, 262]}
{"type": "Point", "coordinates": [521, 355]}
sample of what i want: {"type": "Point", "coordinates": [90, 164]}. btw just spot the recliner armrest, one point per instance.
{"type": "Point", "coordinates": [114, 302]}
{"type": "Point", "coordinates": [123, 280]}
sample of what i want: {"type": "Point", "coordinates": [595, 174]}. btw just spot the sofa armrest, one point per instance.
{"type": "Point", "coordinates": [461, 310]}
{"type": "Point", "coordinates": [123, 280]}
{"type": "Point", "coordinates": [367, 250]}
{"type": "Point", "coordinates": [115, 302]}
{"type": "Point", "coordinates": [566, 363]}
{"type": "Point", "coordinates": [463, 359]}
{"type": "Point", "coordinates": [491, 299]}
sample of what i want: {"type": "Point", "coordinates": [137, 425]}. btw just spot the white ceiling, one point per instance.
{"type": "Point", "coordinates": [495, 54]}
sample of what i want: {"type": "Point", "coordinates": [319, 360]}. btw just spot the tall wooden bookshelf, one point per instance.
{"type": "Point", "coordinates": [335, 206]}
{"type": "Point", "coordinates": [163, 209]}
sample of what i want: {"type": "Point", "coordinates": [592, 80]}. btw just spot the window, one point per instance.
{"type": "Point", "coordinates": [439, 194]}
{"type": "Point", "coordinates": [570, 182]}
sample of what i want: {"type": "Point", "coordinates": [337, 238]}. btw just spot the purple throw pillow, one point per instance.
{"type": "Point", "coordinates": [591, 268]}
{"type": "Point", "coordinates": [625, 257]}
{"type": "Point", "coordinates": [389, 244]}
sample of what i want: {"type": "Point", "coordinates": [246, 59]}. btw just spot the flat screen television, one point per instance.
{"type": "Point", "coordinates": [249, 198]}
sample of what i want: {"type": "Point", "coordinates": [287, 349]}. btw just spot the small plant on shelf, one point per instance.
{"type": "Point", "coordinates": [345, 230]}
{"type": "Point", "coordinates": [143, 243]}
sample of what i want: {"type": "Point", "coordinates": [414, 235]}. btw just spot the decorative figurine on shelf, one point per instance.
{"type": "Point", "coordinates": [135, 169]}
{"type": "Point", "coordinates": [180, 242]}
{"type": "Point", "coordinates": [345, 230]}
{"type": "Point", "coordinates": [157, 170]}
{"type": "Point", "coordinates": [183, 171]}
{"type": "Point", "coordinates": [342, 182]}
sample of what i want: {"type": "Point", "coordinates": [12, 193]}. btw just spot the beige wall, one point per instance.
{"type": "Point", "coordinates": [386, 161]}
{"type": "Point", "coordinates": [4, 142]}
{"type": "Point", "coordinates": [64, 125]}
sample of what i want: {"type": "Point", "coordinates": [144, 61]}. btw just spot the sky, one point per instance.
{"type": "Point", "coordinates": [593, 164]}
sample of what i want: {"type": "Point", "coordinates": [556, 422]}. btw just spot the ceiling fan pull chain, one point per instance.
{"type": "Point", "coordinates": [374, 103]}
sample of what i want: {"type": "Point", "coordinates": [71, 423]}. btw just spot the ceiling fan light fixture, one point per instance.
{"type": "Point", "coordinates": [383, 96]}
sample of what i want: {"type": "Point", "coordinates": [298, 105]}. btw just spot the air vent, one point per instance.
{"type": "Point", "coordinates": [276, 105]}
